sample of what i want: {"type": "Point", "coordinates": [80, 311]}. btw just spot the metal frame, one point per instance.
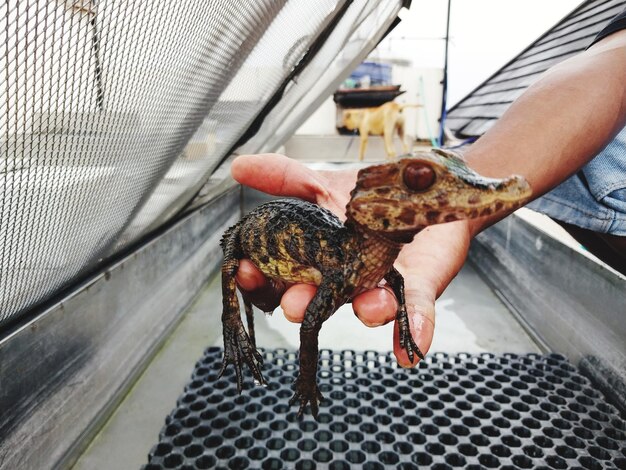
{"type": "Point", "coordinates": [568, 302]}
{"type": "Point", "coordinates": [65, 371]}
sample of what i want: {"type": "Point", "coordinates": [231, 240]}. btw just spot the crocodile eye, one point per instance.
{"type": "Point", "coordinates": [418, 176]}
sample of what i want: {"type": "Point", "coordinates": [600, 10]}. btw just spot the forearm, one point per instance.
{"type": "Point", "coordinates": [559, 123]}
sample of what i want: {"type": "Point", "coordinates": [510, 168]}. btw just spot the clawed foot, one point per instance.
{"type": "Point", "coordinates": [238, 349]}
{"type": "Point", "coordinates": [307, 391]}
{"type": "Point", "coordinates": [406, 339]}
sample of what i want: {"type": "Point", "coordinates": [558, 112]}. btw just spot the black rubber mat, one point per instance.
{"type": "Point", "coordinates": [471, 411]}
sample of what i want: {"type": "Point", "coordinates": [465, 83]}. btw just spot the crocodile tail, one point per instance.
{"type": "Point", "coordinates": [230, 236]}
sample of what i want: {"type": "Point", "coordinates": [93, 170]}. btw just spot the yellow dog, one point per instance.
{"type": "Point", "coordinates": [382, 120]}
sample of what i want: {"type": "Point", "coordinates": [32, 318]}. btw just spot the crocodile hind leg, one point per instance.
{"type": "Point", "coordinates": [326, 301]}
{"type": "Point", "coordinates": [238, 347]}
{"type": "Point", "coordinates": [250, 321]}
{"type": "Point", "coordinates": [396, 281]}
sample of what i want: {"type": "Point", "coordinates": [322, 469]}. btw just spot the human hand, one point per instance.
{"type": "Point", "coordinates": [428, 264]}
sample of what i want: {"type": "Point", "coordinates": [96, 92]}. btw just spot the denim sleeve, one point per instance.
{"type": "Point", "coordinates": [595, 197]}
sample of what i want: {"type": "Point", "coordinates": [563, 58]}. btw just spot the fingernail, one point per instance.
{"type": "Point", "coordinates": [368, 323]}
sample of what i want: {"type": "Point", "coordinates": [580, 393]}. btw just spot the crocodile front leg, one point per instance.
{"type": "Point", "coordinates": [396, 281]}
{"type": "Point", "coordinates": [326, 301]}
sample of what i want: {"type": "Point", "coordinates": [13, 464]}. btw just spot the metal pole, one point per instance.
{"type": "Point", "coordinates": [95, 40]}
{"type": "Point", "coordinates": [89, 8]}
{"type": "Point", "coordinates": [444, 82]}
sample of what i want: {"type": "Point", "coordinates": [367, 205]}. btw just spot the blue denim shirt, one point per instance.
{"type": "Point", "coordinates": [595, 197]}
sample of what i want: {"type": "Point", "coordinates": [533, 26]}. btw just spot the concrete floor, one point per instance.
{"type": "Point", "coordinates": [469, 319]}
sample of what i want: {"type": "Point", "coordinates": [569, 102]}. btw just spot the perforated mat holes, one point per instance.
{"type": "Point", "coordinates": [453, 411]}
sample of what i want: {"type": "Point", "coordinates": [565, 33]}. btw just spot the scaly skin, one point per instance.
{"type": "Point", "coordinates": [295, 241]}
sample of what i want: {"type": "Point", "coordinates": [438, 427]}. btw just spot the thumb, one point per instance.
{"type": "Point", "coordinates": [421, 311]}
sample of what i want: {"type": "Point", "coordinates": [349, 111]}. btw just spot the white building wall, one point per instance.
{"type": "Point", "coordinates": [322, 121]}
{"type": "Point", "coordinates": [423, 86]}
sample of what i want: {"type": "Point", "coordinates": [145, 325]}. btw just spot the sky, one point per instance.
{"type": "Point", "coordinates": [484, 35]}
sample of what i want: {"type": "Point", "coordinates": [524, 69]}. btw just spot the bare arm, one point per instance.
{"type": "Point", "coordinates": [561, 122]}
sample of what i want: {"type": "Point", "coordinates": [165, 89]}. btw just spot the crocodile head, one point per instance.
{"type": "Point", "coordinates": [399, 199]}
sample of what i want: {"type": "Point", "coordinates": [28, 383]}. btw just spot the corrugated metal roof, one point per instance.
{"type": "Point", "coordinates": [478, 111]}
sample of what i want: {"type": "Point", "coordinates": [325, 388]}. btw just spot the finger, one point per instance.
{"type": "Point", "coordinates": [422, 324]}
{"type": "Point", "coordinates": [295, 301]}
{"type": "Point", "coordinates": [256, 288]}
{"type": "Point", "coordinates": [282, 176]}
{"type": "Point", "coordinates": [375, 307]}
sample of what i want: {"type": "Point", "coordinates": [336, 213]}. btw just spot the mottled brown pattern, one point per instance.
{"type": "Point", "coordinates": [442, 200]}
{"type": "Point", "coordinates": [380, 211]}
{"type": "Point", "coordinates": [379, 176]}
{"type": "Point", "coordinates": [407, 216]}
{"type": "Point", "coordinates": [296, 241]}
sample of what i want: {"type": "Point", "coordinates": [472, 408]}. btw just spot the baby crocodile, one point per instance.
{"type": "Point", "coordinates": [295, 241]}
